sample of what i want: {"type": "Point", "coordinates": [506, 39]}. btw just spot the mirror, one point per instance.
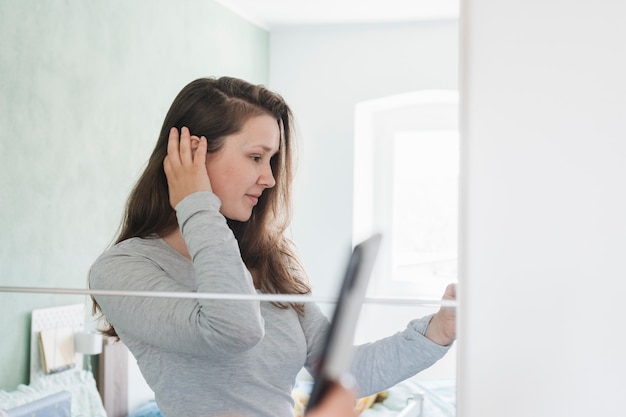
{"type": "Point", "coordinates": [85, 89]}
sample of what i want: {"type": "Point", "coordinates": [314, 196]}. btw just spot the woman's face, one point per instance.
{"type": "Point", "coordinates": [240, 171]}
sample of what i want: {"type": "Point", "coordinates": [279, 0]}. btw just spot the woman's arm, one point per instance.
{"type": "Point", "coordinates": [385, 362]}
{"type": "Point", "coordinates": [183, 325]}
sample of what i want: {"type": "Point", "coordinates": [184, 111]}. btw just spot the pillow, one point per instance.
{"type": "Point", "coordinates": [55, 405]}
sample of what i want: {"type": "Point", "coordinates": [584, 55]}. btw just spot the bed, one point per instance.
{"type": "Point", "coordinates": [417, 397]}
{"type": "Point", "coordinates": [80, 384]}
{"type": "Point", "coordinates": [55, 405]}
{"type": "Point", "coordinates": [53, 395]}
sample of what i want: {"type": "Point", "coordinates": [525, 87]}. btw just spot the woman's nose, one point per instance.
{"type": "Point", "coordinates": [267, 177]}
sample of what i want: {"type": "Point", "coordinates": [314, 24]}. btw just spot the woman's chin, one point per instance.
{"type": "Point", "coordinates": [238, 217]}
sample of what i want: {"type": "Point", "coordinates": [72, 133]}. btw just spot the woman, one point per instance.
{"type": "Point", "coordinates": [208, 215]}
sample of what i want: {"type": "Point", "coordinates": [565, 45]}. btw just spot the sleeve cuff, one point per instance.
{"type": "Point", "coordinates": [420, 325]}
{"type": "Point", "coordinates": [201, 200]}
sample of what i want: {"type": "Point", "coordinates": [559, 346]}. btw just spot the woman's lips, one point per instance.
{"type": "Point", "coordinates": [253, 198]}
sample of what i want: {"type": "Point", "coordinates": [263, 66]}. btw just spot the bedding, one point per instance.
{"type": "Point", "coordinates": [55, 405]}
{"type": "Point", "coordinates": [437, 398]}
{"type": "Point", "coordinates": [414, 397]}
{"type": "Point", "coordinates": [85, 400]}
{"type": "Point", "coordinates": [149, 409]}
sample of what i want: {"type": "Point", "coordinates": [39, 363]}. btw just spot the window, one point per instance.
{"type": "Point", "coordinates": [406, 186]}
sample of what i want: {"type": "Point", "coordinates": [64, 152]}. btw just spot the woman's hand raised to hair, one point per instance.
{"type": "Point", "coordinates": [185, 165]}
{"type": "Point", "coordinates": [442, 326]}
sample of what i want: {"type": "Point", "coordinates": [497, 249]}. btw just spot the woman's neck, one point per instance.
{"type": "Point", "coordinates": [176, 241]}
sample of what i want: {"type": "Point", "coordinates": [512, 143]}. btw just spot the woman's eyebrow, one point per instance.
{"type": "Point", "coordinates": [266, 148]}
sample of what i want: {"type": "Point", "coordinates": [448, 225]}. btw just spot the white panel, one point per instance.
{"type": "Point", "coordinates": [543, 167]}
{"type": "Point", "coordinates": [72, 316]}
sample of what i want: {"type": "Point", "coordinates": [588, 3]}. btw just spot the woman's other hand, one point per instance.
{"type": "Point", "coordinates": [338, 403]}
{"type": "Point", "coordinates": [185, 165]}
{"type": "Point", "coordinates": [442, 326]}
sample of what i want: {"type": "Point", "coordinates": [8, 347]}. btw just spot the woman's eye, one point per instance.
{"type": "Point", "coordinates": [256, 158]}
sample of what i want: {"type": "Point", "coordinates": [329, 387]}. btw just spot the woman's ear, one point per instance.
{"type": "Point", "coordinates": [195, 141]}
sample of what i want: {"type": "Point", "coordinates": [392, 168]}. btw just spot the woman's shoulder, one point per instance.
{"type": "Point", "coordinates": [137, 245]}
{"type": "Point", "coordinates": [132, 256]}
{"type": "Point", "coordinates": [148, 248]}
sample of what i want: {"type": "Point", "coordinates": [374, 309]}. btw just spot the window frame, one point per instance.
{"type": "Point", "coordinates": [376, 124]}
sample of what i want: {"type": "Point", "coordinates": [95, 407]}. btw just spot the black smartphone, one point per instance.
{"type": "Point", "coordinates": [336, 356]}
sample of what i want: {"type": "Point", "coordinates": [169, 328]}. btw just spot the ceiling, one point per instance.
{"type": "Point", "coordinates": [271, 14]}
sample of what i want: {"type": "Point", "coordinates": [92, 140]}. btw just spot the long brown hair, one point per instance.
{"type": "Point", "coordinates": [215, 108]}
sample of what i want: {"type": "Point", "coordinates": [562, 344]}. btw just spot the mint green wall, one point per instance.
{"type": "Point", "coordinates": [84, 88]}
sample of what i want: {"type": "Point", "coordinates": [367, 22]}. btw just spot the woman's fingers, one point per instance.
{"type": "Point", "coordinates": [185, 165]}
{"type": "Point", "coordinates": [172, 146]}
{"type": "Point", "coordinates": [185, 146]}
{"type": "Point", "coordinates": [179, 146]}
{"type": "Point", "coordinates": [172, 153]}
{"type": "Point", "coordinates": [338, 403]}
{"type": "Point", "coordinates": [182, 150]}
{"type": "Point", "coordinates": [450, 292]}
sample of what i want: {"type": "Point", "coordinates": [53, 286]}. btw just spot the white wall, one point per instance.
{"type": "Point", "coordinates": [543, 242]}
{"type": "Point", "coordinates": [323, 72]}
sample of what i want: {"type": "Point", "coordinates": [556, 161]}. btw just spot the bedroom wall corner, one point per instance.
{"type": "Point", "coordinates": [84, 89]}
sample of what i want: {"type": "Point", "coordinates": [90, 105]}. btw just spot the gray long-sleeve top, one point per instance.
{"type": "Point", "coordinates": [218, 357]}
